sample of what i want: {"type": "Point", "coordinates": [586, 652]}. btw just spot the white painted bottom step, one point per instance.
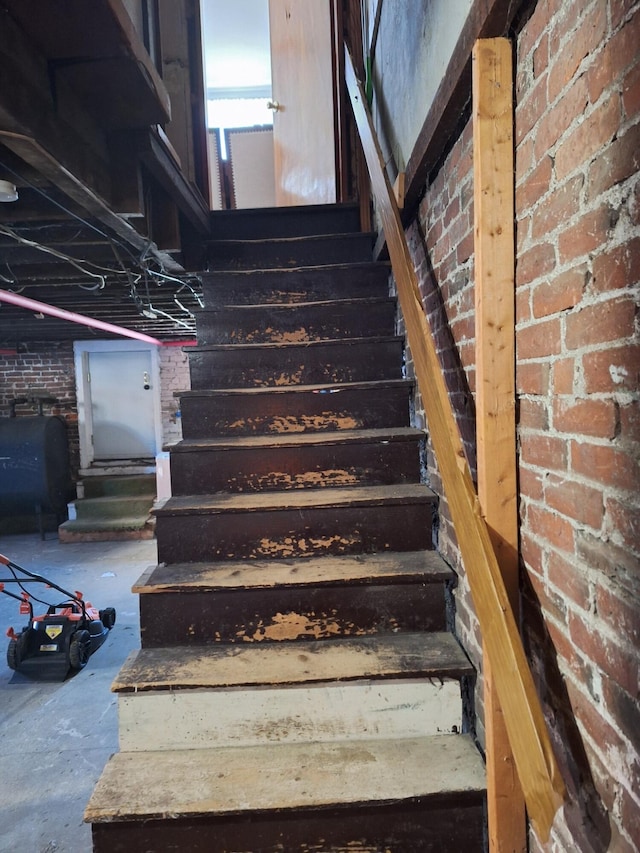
{"type": "Point", "coordinates": [244, 780]}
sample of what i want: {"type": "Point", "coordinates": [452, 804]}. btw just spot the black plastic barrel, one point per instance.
{"type": "Point", "coordinates": [34, 465]}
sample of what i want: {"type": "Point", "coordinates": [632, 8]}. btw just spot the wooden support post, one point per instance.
{"type": "Point", "coordinates": [495, 393]}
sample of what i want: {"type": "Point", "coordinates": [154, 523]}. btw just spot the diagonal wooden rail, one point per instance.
{"type": "Point", "coordinates": [540, 778]}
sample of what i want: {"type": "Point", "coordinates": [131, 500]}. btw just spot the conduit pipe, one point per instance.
{"type": "Point", "coordinates": [72, 317]}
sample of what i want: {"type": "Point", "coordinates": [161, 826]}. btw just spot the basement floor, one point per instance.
{"type": "Point", "coordinates": [55, 738]}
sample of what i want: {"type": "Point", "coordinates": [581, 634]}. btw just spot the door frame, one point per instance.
{"type": "Point", "coordinates": [81, 353]}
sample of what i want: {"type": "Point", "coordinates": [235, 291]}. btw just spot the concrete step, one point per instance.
{"type": "Point", "coordinates": [295, 523]}
{"type": "Point", "coordinates": [298, 461]}
{"type": "Point", "coordinates": [401, 685]}
{"type": "Point", "coordinates": [113, 486]}
{"type": "Point", "coordinates": [262, 365]}
{"type": "Point", "coordinates": [402, 794]}
{"type": "Point", "coordinates": [296, 322]}
{"type": "Point", "coordinates": [295, 409]}
{"type": "Point", "coordinates": [273, 601]}
{"type": "Point", "coordinates": [290, 252]}
{"type": "Point", "coordinates": [306, 284]}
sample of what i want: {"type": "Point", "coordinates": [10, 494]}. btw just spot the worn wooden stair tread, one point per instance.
{"type": "Point", "coordinates": [223, 502]}
{"type": "Point", "coordinates": [301, 345]}
{"type": "Point", "coordinates": [283, 777]}
{"type": "Point", "coordinates": [352, 436]}
{"type": "Point", "coordinates": [419, 655]}
{"type": "Point", "coordinates": [384, 568]}
{"type": "Point", "coordinates": [323, 388]}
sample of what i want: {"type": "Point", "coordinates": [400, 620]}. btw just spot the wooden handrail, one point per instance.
{"type": "Point", "coordinates": [533, 754]}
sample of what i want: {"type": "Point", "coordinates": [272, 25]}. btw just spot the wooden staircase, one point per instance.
{"type": "Point", "coordinates": [297, 689]}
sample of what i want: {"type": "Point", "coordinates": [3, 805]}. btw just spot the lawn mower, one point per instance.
{"type": "Point", "coordinates": [59, 640]}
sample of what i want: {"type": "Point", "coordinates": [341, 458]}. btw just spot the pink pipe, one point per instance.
{"type": "Point", "coordinates": [72, 317]}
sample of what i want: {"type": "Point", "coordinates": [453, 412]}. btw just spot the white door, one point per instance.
{"type": "Point", "coordinates": [302, 87]}
{"type": "Point", "coordinates": [122, 405]}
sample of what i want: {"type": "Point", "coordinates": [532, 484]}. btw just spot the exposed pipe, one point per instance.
{"type": "Point", "coordinates": [72, 317]}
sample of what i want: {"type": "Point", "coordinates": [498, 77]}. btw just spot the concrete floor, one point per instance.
{"type": "Point", "coordinates": [56, 737]}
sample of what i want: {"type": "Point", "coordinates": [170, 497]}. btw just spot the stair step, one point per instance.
{"type": "Point", "coordinates": [403, 567]}
{"type": "Point", "coordinates": [270, 222]}
{"type": "Point", "coordinates": [364, 688]}
{"type": "Point", "coordinates": [313, 362]}
{"type": "Point", "coordinates": [307, 284]}
{"type": "Point", "coordinates": [392, 656]}
{"type": "Point", "coordinates": [296, 322]}
{"type": "Point", "coordinates": [112, 486]}
{"type": "Point", "coordinates": [295, 409]}
{"type": "Point", "coordinates": [116, 507]}
{"type": "Point", "coordinates": [396, 795]}
{"type": "Point", "coordinates": [307, 460]}
{"type": "Point", "coordinates": [266, 601]}
{"type": "Point", "coordinates": [295, 523]}
{"type": "Point", "coordinates": [290, 252]}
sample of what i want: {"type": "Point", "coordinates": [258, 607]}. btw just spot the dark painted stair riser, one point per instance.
{"type": "Point", "coordinates": [315, 321]}
{"type": "Point", "coordinates": [292, 613]}
{"type": "Point", "coordinates": [448, 824]}
{"type": "Point", "coordinates": [358, 360]}
{"type": "Point", "coordinates": [295, 532]}
{"type": "Point", "coordinates": [268, 223]}
{"type": "Point", "coordinates": [295, 410]}
{"type": "Point", "coordinates": [310, 284]}
{"type": "Point", "coordinates": [290, 252]}
{"type": "Point", "coordinates": [249, 468]}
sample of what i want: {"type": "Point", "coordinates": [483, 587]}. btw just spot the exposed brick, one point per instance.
{"type": "Point", "coordinates": [571, 47]}
{"type": "Point", "coordinates": [630, 422]}
{"type": "Point", "coordinates": [564, 371]}
{"type": "Point", "coordinates": [611, 561]}
{"type": "Point", "coordinates": [631, 92]}
{"type": "Point", "coordinates": [568, 579]}
{"type": "Point", "coordinates": [534, 186]}
{"type": "Point", "coordinates": [610, 370]}
{"type": "Point", "coordinates": [531, 484]}
{"type": "Point", "coordinates": [556, 208]}
{"type": "Point", "coordinates": [588, 138]}
{"type": "Point", "coordinates": [617, 268]}
{"type": "Point", "coordinates": [587, 234]}
{"type": "Point", "coordinates": [562, 292]}
{"type": "Point", "coordinates": [543, 451]}
{"type": "Point", "coordinates": [630, 809]}
{"type": "Point", "coordinates": [613, 61]}
{"type": "Point", "coordinates": [624, 519]}
{"type": "Point", "coordinates": [585, 417]}
{"type": "Point", "coordinates": [620, 611]}
{"type": "Point", "coordinates": [606, 465]}
{"type": "Point", "coordinates": [553, 528]}
{"type": "Point", "coordinates": [581, 503]}
{"type": "Point", "coordinates": [528, 111]}
{"type": "Point", "coordinates": [612, 320]}
{"type": "Point", "coordinates": [615, 163]}
{"type": "Point", "coordinates": [625, 709]}
{"type": "Point", "coordinates": [616, 662]}
{"type": "Point", "coordinates": [535, 263]}
{"type": "Point", "coordinates": [538, 340]}
{"type": "Point", "coordinates": [555, 121]}
{"type": "Point", "coordinates": [533, 414]}
{"type": "Point", "coordinates": [532, 378]}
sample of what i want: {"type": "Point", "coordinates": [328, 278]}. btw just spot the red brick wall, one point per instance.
{"type": "Point", "coordinates": [46, 369]}
{"type": "Point", "coordinates": [577, 135]}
